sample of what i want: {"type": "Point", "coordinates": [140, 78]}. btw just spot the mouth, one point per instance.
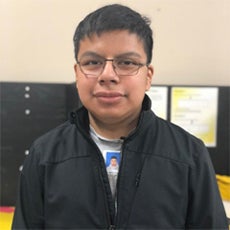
{"type": "Point", "coordinates": [109, 97]}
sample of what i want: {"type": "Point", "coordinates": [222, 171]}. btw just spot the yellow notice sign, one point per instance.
{"type": "Point", "coordinates": [195, 110]}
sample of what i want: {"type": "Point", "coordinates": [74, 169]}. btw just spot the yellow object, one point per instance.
{"type": "Point", "coordinates": [6, 217]}
{"type": "Point", "coordinates": [224, 186]}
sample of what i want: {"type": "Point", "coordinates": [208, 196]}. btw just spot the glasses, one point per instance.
{"type": "Point", "coordinates": [93, 67]}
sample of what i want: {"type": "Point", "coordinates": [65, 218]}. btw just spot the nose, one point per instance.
{"type": "Point", "coordinates": [108, 74]}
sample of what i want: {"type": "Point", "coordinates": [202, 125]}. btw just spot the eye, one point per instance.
{"type": "Point", "coordinates": [126, 62]}
{"type": "Point", "coordinates": [91, 62]}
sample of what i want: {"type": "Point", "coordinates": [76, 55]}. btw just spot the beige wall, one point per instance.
{"type": "Point", "coordinates": [192, 39]}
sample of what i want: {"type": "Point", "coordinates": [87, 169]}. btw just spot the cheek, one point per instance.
{"type": "Point", "coordinates": [141, 86]}
{"type": "Point", "coordinates": [84, 90]}
{"type": "Point", "coordinates": [137, 91]}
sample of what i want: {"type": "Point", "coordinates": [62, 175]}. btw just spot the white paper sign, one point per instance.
{"type": "Point", "coordinates": [159, 98]}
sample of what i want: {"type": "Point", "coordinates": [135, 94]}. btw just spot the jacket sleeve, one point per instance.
{"type": "Point", "coordinates": [206, 210]}
{"type": "Point", "coordinates": [29, 207]}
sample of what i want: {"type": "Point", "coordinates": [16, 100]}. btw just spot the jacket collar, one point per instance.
{"type": "Point", "coordinates": [80, 116]}
{"type": "Point", "coordinates": [146, 104]}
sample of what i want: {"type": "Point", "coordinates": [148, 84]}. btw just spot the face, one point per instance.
{"type": "Point", "coordinates": [110, 98]}
{"type": "Point", "coordinates": [113, 162]}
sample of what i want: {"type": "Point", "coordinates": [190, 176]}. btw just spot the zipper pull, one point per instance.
{"type": "Point", "coordinates": [112, 227]}
{"type": "Point", "coordinates": [137, 181]}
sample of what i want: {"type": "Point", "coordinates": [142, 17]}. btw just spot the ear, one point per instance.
{"type": "Point", "coordinates": [76, 75]}
{"type": "Point", "coordinates": [150, 73]}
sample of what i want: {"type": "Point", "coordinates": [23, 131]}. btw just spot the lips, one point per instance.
{"type": "Point", "coordinates": [108, 94]}
{"type": "Point", "coordinates": [108, 97]}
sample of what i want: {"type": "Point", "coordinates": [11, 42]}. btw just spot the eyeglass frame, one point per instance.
{"type": "Point", "coordinates": [114, 68]}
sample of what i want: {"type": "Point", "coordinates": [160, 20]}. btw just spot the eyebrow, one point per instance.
{"type": "Point", "coordinates": [122, 55]}
{"type": "Point", "coordinates": [129, 54]}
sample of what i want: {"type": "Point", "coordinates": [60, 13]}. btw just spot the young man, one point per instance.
{"type": "Point", "coordinates": [165, 178]}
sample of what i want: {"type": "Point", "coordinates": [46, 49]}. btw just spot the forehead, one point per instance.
{"type": "Point", "coordinates": [112, 43]}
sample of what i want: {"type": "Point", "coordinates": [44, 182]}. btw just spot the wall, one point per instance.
{"type": "Point", "coordinates": [191, 39]}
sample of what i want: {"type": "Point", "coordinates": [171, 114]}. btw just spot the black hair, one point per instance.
{"type": "Point", "coordinates": [113, 157]}
{"type": "Point", "coordinates": [115, 17]}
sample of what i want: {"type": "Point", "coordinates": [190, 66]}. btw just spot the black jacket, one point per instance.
{"type": "Point", "coordinates": [166, 180]}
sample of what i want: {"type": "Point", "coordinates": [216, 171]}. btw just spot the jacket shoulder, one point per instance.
{"type": "Point", "coordinates": [167, 140]}
{"type": "Point", "coordinates": [56, 145]}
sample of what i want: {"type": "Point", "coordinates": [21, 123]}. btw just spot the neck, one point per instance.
{"type": "Point", "coordinates": [114, 130]}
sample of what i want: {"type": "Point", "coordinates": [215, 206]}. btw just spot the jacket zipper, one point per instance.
{"type": "Point", "coordinates": [110, 219]}
{"type": "Point", "coordinates": [108, 213]}
{"type": "Point", "coordinates": [118, 182]}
